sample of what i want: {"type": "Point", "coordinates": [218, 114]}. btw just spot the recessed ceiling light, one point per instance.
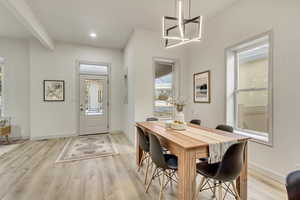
{"type": "Point", "coordinates": [93, 35]}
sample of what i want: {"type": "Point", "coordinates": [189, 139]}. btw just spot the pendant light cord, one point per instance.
{"type": "Point", "coordinates": [189, 8]}
{"type": "Point", "coordinates": [190, 5]}
{"type": "Point", "coordinates": [175, 7]}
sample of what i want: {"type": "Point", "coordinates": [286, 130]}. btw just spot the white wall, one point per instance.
{"type": "Point", "coordinates": [16, 84]}
{"type": "Point", "coordinates": [243, 20]}
{"type": "Point", "coordinates": [141, 49]}
{"type": "Point", "coordinates": [128, 108]}
{"type": "Point", "coordinates": [61, 119]}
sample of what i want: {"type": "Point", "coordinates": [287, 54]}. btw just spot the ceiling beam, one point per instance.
{"type": "Point", "coordinates": [26, 16]}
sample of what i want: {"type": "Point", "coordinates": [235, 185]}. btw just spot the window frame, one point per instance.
{"type": "Point", "coordinates": [172, 63]}
{"type": "Point", "coordinates": [233, 90]}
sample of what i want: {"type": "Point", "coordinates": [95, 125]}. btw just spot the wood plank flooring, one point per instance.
{"type": "Point", "coordinates": [29, 172]}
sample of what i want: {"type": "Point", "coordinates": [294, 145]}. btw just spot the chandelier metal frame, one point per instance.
{"type": "Point", "coordinates": [181, 24]}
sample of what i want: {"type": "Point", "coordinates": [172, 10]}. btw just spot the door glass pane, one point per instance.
{"type": "Point", "coordinates": [252, 110]}
{"type": "Point", "coordinates": [253, 68]}
{"type": "Point", "coordinates": [94, 97]}
{"type": "Point", "coordinates": [163, 91]}
{"type": "Point", "coordinates": [93, 69]}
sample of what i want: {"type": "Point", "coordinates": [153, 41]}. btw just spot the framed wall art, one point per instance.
{"type": "Point", "coordinates": [54, 90]}
{"type": "Point", "coordinates": [202, 88]}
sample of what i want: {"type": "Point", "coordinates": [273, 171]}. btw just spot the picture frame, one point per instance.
{"type": "Point", "coordinates": [54, 90]}
{"type": "Point", "coordinates": [202, 87]}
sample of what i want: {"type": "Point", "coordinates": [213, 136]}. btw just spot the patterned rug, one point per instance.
{"type": "Point", "coordinates": [87, 147]}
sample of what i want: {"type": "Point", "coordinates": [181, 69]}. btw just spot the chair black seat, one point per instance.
{"type": "Point", "coordinates": [196, 122]}
{"type": "Point", "coordinates": [147, 148]}
{"type": "Point", "coordinates": [203, 159]}
{"type": "Point", "coordinates": [207, 170]}
{"type": "Point", "coordinates": [151, 119]}
{"type": "Point", "coordinates": [225, 128]}
{"type": "Point", "coordinates": [230, 166]}
{"type": "Point", "coordinates": [163, 148]}
{"type": "Point", "coordinates": [160, 159]}
{"type": "Point", "coordinates": [172, 161]}
{"type": "Point", "coordinates": [293, 185]}
{"type": "Point", "coordinates": [147, 139]}
{"type": "Point", "coordinates": [144, 140]}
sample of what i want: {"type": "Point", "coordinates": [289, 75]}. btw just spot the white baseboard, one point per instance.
{"type": "Point", "coordinates": [116, 132]}
{"type": "Point", "coordinates": [16, 138]}
{"type": "Point", "coordinates": [52, 136]}
{"type": "Point", "coordinates": [67, 135]}
{"type": "Point", "coordinates": [268, 176]}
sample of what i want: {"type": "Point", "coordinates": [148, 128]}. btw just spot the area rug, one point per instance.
{"type": "Point", "coordinates": [87, 147]}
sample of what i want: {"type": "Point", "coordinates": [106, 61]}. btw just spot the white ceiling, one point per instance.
{"type": "Point", "coordinates": [9, 25]}
{"type": "Point", "coordinates": [112, 20]}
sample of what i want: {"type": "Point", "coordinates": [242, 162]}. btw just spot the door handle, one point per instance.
{"type": "Point", "coordinates": [81, 107]}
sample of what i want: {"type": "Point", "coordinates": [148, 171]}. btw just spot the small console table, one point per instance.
{"type": "Point", "coordinates": [5, 131]}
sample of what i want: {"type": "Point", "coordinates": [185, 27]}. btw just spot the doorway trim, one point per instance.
{"type": "Point", "coordinates": [3, 82]}
{"type": "Point", "coordinates": [77, 90]}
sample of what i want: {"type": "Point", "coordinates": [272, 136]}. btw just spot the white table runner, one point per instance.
{"type": "Point", "coordinates": [218, 144]}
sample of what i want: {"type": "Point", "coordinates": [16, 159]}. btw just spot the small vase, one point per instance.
{"type": "Point", "coordinates": [179, 108]}
{"type": "Point", "coordinates": [179, 116]}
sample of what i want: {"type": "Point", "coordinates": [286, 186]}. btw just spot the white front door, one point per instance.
{"type": "Point", "coordinates": [93, 104]}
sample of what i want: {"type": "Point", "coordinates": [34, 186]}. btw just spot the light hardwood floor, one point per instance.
{"type": "Point", "coordinates": [29, 172]}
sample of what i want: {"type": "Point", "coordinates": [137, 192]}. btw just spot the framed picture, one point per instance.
{"type": "Point", "coordinates": [202, 91]}
{"type": "Point", "coordinates": [54, 90]}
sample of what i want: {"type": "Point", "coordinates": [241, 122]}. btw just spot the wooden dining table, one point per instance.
{"type": "Point", "coordinates": [188, 146]}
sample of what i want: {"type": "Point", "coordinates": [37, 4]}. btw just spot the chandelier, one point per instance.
{"type": "Point", "coordinates": [182, 28]}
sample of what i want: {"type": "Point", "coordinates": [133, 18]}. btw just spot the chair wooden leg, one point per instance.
{"type": "Point", "coordinates": [235, 191]}
{"type": "Point", "coordinates": [220, 191]}
{"type": "Point", "coordinates": [159, 181]}
{"type": "Point", "coordinates": [152, 177]}
{"type": "Point", "coordinates": [214, 189]}
{"type": "Point", "coordinates": [147, 170]}
{"type": "Point", "coordinates": [199, 187]}
{"type": "Point", "coordinates": [141, 161]}
{"type": "Point", "coordinates": [171, 180]}
{"type": "Point", "coordinates": [162, 186]}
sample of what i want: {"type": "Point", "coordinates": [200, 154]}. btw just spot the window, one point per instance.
{"type": "Point", "coordinates": [249, 88]}
{"type": "Point", "coordinates": [163, 90]}
{"type": "Point", "coordinates": [94, 97]}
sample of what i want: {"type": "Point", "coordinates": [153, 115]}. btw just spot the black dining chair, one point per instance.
{"type": "Point", "coordinates": [293, 185]}
{"type": "Point", "coordinates": [154, 119]}
{"type": "Point", "coordinates": [145, 146]}
{"type": "Point", "coordinates": [226, 128]}
{"type": "Point", "coordinates": [151, 119]}
{"type": "Point", "coordinates": [224, 173]}
{"type": "Point", "coordinates": [222, 128]}
{"type": "Point", "coordinates": [166, 165]}
{"type": "Point", "coordinates": [196, 122]}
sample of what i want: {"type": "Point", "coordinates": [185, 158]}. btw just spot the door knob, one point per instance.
{"type": "Point", "coordinates": [81, 107]}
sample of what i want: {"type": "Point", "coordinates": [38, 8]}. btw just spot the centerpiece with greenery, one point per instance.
{"type": "Point", "coordinates": [179, 121]}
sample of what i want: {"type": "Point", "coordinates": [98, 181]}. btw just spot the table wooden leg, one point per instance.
{"type": "Point", "coordinates": [242, 180]}
{"type": "Point", "coordinates": [139, 153]}
{"type": "Point", "coordinates": [187, 175]}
